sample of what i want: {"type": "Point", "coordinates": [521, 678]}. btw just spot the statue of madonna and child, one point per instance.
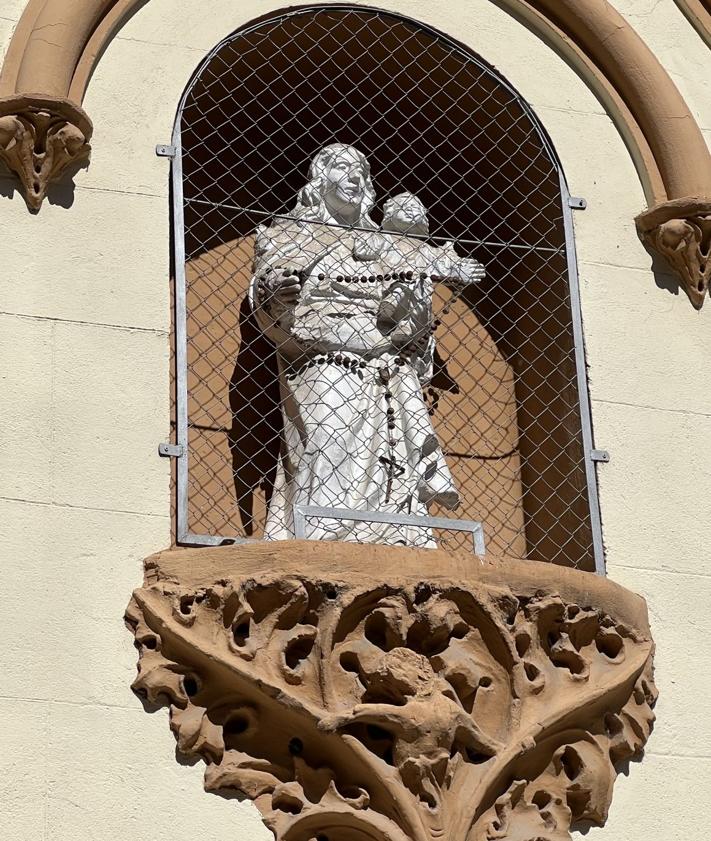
{"type": "Point", "coordinates": [348, 306]}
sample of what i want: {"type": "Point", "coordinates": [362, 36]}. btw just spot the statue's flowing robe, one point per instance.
{"type": "Point", "coordinates": [357, 432]}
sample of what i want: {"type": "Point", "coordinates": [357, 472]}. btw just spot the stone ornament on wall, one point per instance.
{"type": "Point", "coordinates": [474, 701]}
{"type": "Point", "coordinates": [681, 232]}
{"type": "Point", "coordinates": [39, 140]}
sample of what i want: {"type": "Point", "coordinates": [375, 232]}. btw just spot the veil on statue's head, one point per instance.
{"type": "Point", "coordinates": [310, 205]}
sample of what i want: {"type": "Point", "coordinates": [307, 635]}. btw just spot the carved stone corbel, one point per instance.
{"type": "Point", "coordinates": [680, 231]}
{"type": "Point", "coordinates": [472, 701]}
{"type": "Point", "coordinates": [39, 139]}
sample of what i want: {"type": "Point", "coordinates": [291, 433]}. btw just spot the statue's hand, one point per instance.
{"type": "Point", "coordinates": [470, 271]}
{"type": "Point", "coordinates": [280, 287]}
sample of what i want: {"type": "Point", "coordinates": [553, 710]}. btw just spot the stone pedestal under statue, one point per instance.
{"type": "Point", "coordinates": [370, 692]}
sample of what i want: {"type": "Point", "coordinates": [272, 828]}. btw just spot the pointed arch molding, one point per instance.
{"type": "Point", "coordinates": [44, 131]}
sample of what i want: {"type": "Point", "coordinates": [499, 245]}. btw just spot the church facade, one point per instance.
{"type": "Point", "coordinates": [362, 352]}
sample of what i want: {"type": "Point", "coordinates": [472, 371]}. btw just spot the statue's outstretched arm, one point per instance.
{"type": "Point", "coordinates": [460, 271]}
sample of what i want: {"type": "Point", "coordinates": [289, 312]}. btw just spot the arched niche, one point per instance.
{"type": "Point", "coordinates": [435, 119]}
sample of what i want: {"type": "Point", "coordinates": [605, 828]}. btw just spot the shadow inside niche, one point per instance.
{"type": "Point", "coordinates": [255, 434]}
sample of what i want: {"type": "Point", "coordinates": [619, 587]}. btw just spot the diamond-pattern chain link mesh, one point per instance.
{"type": "Point", "coordinates": [416, 367]}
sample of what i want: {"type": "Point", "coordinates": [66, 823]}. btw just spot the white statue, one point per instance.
{"type": "Point", "coordinates": [349, 308]}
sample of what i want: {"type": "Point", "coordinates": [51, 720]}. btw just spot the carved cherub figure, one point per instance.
{"type": "Point", "coordinates": [425, 721]}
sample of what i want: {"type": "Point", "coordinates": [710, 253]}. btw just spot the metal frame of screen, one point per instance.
{"type": "Point", "coordinates": [569, 205]}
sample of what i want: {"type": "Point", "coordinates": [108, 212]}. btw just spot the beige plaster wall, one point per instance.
{"type": "Point", "coordinates": [84, 321]}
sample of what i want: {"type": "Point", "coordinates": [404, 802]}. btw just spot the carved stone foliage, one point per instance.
{"type": "Point", "coordinates": [353, 707]}
{"type": "Point", "coordinates": [39, 140]}
{"type": "Point", "coordinates": [681, 233]}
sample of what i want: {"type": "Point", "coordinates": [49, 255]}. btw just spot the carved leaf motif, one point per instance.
{"type": "Point", "coordinates": [397, 712]}
{"type": "Point", "coordinates": [515, 817]}
{"type": "Point", "coordinates": [195, 733]}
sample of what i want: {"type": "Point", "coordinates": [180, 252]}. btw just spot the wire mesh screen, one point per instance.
{"type": "Point", "coordinates": [377, 305]}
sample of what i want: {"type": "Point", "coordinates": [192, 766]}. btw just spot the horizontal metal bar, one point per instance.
{"type": "Point", "coordinates": [600, 455]}
{"type": "Point", "coordinates": [577, 203]}
{"type": "Point", "coordinates": [440, 238]}
{"type": "Point", "coordinates": [385, 517]}
{"type": "Point", "coordinates": [472, 526]}
{"type": "Point", "coordinates": [191, 539]}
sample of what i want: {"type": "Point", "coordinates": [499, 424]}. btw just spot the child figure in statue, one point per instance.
{"type": "Point", "coordinates": [405, 313]}
{"type": "Point", "coordinates": [405, 219]}
{"type": "Point", "coordinates": [406, 306]}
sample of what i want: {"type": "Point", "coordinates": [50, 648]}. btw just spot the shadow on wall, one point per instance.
{"type": "Point", "coordinates": [663, 277]}
{"type": "Point", "coordinates": [255, 434]}
{"type": "Point", "coordinates": [59, 193]}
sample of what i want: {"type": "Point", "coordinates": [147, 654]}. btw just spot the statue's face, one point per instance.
{"type": "Point", "coordinates": [344, 186]}
{"type": "Point", "coordinates": [405, 214]}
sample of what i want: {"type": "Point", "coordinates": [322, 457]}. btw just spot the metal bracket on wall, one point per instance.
{"type": "Point", "coordinates": [171, 450]}
{"type": "Point", "coordinates": [577, 203]}
{"type": "Point", "coordinates": [165, 150]}
{"type": "Point", "coordinates": [600, 455]}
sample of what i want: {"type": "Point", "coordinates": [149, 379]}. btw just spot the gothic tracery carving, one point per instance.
{"type": "Point", "coordinates": [472, 709]}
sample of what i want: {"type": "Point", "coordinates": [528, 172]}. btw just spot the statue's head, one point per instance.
{"type": "Point", "coordinates": [405, 214]}
{"type": "Point", "coordinates": [339, 187]}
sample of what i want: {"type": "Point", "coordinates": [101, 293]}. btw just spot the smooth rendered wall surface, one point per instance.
{"type": "Point", "coordinates": [84, 329]}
